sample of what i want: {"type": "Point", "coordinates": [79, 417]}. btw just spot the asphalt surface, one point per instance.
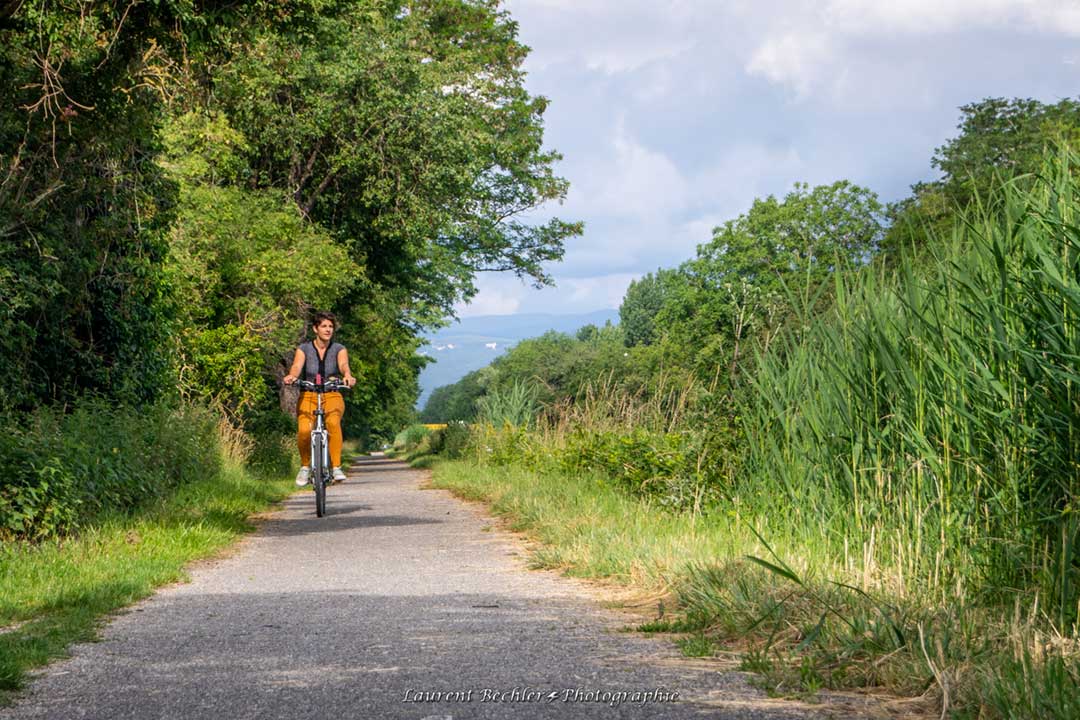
{"type": "Point", "coordinates": [402, 602]}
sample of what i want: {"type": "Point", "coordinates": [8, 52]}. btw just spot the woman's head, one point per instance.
{"type": "Point", "coordinates": [323, 325]}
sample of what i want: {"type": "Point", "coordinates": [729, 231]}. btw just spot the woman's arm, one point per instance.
{"type": "Point", "coordinates": [294, 371]}
{"type": "Point", "coordinates": [343, 363]}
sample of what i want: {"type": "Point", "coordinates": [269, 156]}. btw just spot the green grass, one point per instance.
{"type": "Point", "coordinates": [777, 603]}
{"type": "Point", "coordinates": [698, 645]}
{"type": "Point", "coordinates": [57, 592]}
{"type": "Point", "coordinates": [423, 461]}
{"type": "Point", "coordinates": [591, 529]}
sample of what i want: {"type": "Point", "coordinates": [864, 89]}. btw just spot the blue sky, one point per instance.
{"type": "Point", "coordinates": [674, 116]}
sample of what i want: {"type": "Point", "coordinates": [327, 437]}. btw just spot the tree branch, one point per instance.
{"type": "Point", "coordinates": [308, 168]}
{"type": "Point", "coordinates": [310, 204]}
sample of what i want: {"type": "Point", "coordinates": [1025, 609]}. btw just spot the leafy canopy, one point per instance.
{"type": "Point", "coordinates": [734, 289]}
{"type": "Point", "coordinates": [999, 139]}
{"type": "Point", "coordinates": [405, 128]}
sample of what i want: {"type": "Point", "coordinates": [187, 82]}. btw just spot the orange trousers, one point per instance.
{"type": "Point", "coordinates": [334, 407]}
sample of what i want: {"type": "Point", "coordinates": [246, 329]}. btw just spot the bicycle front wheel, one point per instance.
{"type": "Point", "coordinates": [318, 472]}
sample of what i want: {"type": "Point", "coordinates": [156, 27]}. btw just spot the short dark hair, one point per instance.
{"type": "Point", "coordinates": [317, 318]}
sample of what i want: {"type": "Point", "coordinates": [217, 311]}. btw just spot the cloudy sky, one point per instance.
{"type": "Point", "coordinates": [673, 116]}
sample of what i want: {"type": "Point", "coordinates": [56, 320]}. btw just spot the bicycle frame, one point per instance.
{"type": "Point", "coordinates": [320, 442]}
{"type": "Point", "coordinates": [320, 457]}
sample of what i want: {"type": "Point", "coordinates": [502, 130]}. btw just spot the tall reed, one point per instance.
{"type": "Point", "coordinates": [516, 406]}
{"type": "Point", "coordinates": [929, 422]}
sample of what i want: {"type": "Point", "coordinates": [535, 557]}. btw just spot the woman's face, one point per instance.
{"type": "Point", "coordinates": [324, 330]}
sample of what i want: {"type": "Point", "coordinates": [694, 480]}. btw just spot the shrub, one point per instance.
{"type": "Point", "coordinates": [408, 439]}
{"type": "Point", "coordinates": [435, 440]}
{"type": "Point", "coordinates": [455, 438]}
{"type": "Point", "coordinates": [273, 452]}
{"type": "Point", "coordinates": [64, 471]}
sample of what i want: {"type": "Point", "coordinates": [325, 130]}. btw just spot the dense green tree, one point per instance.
{"type": "Point", "coordinates": [805, 234]}
{"type": "Point", "coordinates": [405, 128]}
{"type": "Point", "coordinates": [83, 209]}
{"type": "Point", "coordinates": [402, 132]}
{"type": "Point", "coordinates": [245, 265]}
{"type": "Point", "coordinates": [456, 401]}
{"type": "Point", "coordinates": [367, 156]}
{"type": "Point", "coordinates": [998, 139]}
{"type": "Point", "coordinates": [543, 361]}
{"type": "Point", "coordinates": [587, 333]}
{"type": "Point", "coordinates": [643, 300]}
{"type": "Point", "coordinates": [734, 290]}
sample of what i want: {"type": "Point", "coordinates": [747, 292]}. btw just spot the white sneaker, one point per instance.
{"type": "Point", "coordinates": [339, 475]}
{"type": "Point", "coordinates": [302, 476]}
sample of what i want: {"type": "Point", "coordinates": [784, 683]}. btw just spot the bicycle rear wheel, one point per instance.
{"type": "Point", "coordinates": [318, 472]}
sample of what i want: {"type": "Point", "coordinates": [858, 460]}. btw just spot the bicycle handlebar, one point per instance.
{"type": "Point", "coordinates": [328, 386]}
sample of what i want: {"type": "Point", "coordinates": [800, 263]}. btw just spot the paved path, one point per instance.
{"type": "Point", "coordinates": [397, 595]}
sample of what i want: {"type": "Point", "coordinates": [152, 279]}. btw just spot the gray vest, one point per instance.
{"type": "Point", "coordinates": [329, 362]}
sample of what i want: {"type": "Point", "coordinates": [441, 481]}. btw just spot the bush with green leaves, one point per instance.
{"type": "Point", "coordinates": [645, 464]}
{"type": "Point", "coordinates": [407, 440]}
{"type": "Point", "coordinates": [433, 443]}
{"type": "Point", "coordinates": [455, 439]}
{"type": "Point", "coordinates": [63, 471]}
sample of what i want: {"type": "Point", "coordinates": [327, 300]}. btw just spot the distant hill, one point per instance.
{"type": "Point", "coordinates": [467, 344]}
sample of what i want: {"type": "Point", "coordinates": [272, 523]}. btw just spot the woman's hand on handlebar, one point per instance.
{"type": "Point", "coordinates": [330, 385]}
{"type": "Point", "coordinates": [350, 380]}
{"type": "Point", "coordinates": [289, 379]}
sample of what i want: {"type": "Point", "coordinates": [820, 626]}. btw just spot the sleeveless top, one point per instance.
{"type": "Point", "coordinates": [327, 367]}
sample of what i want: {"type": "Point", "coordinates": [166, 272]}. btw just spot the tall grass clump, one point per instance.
{"type": "Point", "coordinates": [516, 406]}
{"type": "Point", "coordinates": [929, 423]}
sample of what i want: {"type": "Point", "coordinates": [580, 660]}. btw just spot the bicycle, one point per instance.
{"type": "Point", "coordinates": [320, 446]}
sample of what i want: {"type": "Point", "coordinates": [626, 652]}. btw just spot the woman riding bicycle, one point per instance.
{"type": "Point", "coordinates": [324, 359]}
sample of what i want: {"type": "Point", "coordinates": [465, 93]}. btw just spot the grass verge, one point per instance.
{"type": "Point", "coordinates": [587, 528]}
{"type": "Point", "coordinates": [798, 616]}
{"type": "Point", "coordinates": [57, 592]}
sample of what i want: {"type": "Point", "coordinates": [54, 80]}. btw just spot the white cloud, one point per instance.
{"type": "Point", "coordinates": [829, 47]}
{"type": "Point", "coordinates": [695, 232]}
{"type": "Point", "coordinates": [744, 171]}
{"type": "Point", "coordinates": [922, 17]}
{"type": "Point", "coordinates": [793, 59]}
{"type": "Point", "coordinates": [573, 295]}
{"type": "Point", "coordinates": [642, 211]}
{"type": "Point", "coordinates": [605, 36]}
{"type": "Point", "coordinates": [673, 117]}
{"type": "Point", "coordinates": [623, 177]}
{"type": "Point", "coordinates": [605, 291]}
{"type": "Point", "coordinates": [640, 181]}
{"type": "Point", "coordinates": [494, 298]}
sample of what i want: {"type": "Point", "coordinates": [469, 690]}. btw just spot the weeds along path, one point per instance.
{"type": "Point", "coordinates": [397, 604]}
